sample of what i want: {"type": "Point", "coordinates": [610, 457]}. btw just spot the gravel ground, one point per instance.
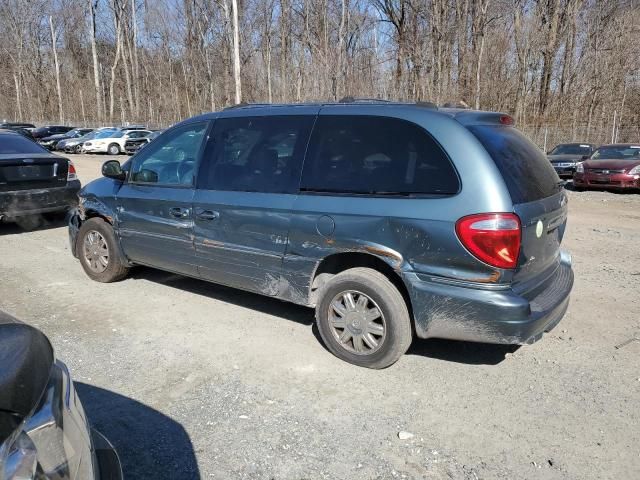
{"type": "Point", "coordinates": [192, 380]}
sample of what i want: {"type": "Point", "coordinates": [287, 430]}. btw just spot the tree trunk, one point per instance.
{"type": "Point", "coordinates": [236, 51]}
{"type": "Point", "coordinates": [54, 49]}
{"type": "Point", "coordinates": [94, 53]}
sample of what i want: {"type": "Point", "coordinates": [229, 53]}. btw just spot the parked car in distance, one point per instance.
{"type": "Point", "coordinates": [133, 127]}
{"type": "Point", "coordinates": [112, 142]}
{"type": "Point", "coordinates": [610, 167]}
{"type": "Point", "coordinates": [387, 218]}
{"type": "Point", "coordinates": [49, 130]}
{"type": "Point", "coordinates": [132, 145]}
{"type": "Point", "coordinates": [24, 129]}
{"type": "Point", "coordinates": [74, 145]}
{"type": "Point", "coordinates": [32, 179]}
{"type": "Point", "coordinates": [44, 432]}
{"type": "Point", "coordinates": [565, 157]}
{"type": "Point", "coordinates": [13, 125]}
{"type": "Point", "coordinates": [51, 142]}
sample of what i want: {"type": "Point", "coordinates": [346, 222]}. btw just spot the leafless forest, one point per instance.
{"type": "Point", "coordinates": [567, 68]}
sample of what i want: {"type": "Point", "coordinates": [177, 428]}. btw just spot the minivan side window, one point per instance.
{"type": "Point", "coordinates": [375, 156]}
{"type": "Point", "coordinates": [255, 154]}
{"type": "Point", "coordinates": [171, 159]}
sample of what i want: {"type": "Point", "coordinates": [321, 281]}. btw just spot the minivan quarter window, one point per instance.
{"type": "Point", "coordinates": [256, 154]}
{"type": "Point", "coordinates": [172, 158]}
{"type": "Point", "coordinates": [377, 156]}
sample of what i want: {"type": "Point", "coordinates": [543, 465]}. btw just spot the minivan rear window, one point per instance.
{"type": "Point", "coordinates": [527, 172]}
{"type": "Point", "coordinates": [370, 155]}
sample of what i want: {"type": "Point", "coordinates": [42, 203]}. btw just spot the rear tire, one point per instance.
{"type": "Point", "coordinates": [363, 319]}
{"type": "Point", "coordinates": [113, 149]}
{"type": "Point", "coordinates": [99, 252]}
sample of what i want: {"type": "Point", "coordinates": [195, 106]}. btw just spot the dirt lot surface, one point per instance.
{"type": "Point", "coordinates": [192, 380]}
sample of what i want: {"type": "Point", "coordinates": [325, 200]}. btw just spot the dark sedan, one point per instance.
{"type": "Point", "coordinates": [49, 130]}
{"type": "Point", "coordinates": [565, 157]}
{"type": "Point", "coordinates": [44, 432]}
{"type": "Point", "coordinates": [52, 142]}
{"type": "Point", "coordinates": [33, 180]}
{"type": "Point", "coordinates": [613, 167]}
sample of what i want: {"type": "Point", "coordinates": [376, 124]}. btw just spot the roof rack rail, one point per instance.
{"type": "Point", "coordinates": [422, 103]}
{"type": "Point", "coordinates": [245, 104]}
{"type": "Point", "coordinates": [351, 99]}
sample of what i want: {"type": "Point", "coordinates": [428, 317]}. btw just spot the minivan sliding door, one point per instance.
{"type": "Point", "coordinates": [245, 190]}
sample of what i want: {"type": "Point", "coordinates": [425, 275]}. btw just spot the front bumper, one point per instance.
{"type": "Point", "coordinates": [487, 313]}
{"type": "Point", "coordinates": [610, 181]}
{"type": "Point", "coordinates": [74, 221]}
{"type": "Point", "coordinates": [564, 171]}
{"type": "Point", "coordinates": [48, 145]}
{"type": "Point", "coordinates": [33, 202]}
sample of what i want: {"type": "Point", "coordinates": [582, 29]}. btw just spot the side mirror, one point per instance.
{"type": "Point", "coordinates": [112, 169]}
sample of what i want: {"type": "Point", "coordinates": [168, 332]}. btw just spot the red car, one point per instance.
{"type": "Point", "coordinates": [610, 167]}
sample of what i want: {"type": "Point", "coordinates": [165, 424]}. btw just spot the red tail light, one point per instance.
{"type": "Point", "coordinates": [507, 120]}
{"type": "Point", "coordinates": [71, 173]}
{"type": "Point", "coordinates": [493, 238]}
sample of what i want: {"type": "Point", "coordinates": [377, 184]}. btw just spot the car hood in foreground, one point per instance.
{"type": "Point", "coordinates": [611, 164]}
{"type": "Point", "coordinates": [26, 357]}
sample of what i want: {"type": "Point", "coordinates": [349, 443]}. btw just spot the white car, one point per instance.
{"type": "Point", "coordinates": [112, 142]}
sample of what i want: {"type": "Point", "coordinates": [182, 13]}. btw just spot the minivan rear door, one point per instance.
{"type": "Point", "coordinates": [246, 188]}
{"type": "Point", "coordinates": [537, 194]}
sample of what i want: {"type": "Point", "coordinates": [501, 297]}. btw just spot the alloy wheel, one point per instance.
{"type": "Point", "coordinates": [96, 251]}
{"type": "Point", "coordinates": [357, 322]}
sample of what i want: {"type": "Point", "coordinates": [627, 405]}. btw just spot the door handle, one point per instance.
{"type": "Point", "coordinates": [206, 214]}
{"type": "Point", "coordinates": [179, 212]}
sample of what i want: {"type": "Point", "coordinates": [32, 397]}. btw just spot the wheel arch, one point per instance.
{"type": "Point", "coordinates": [339, 262]}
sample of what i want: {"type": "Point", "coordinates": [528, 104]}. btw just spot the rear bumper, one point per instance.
{"type": "Point", "coordinates": [487, 313]}
{"type": "Point", "coordinates": [32, 202]}
{"type": "Point", "coordinates": [612, 181]}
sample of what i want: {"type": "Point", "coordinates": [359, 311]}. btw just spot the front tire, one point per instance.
{"type": "Point", "coordinates": [113, 149]}
{"type": "Point", "coordinates": [99, 252]}
{"type": "Point", "coordinates": [363, 318]}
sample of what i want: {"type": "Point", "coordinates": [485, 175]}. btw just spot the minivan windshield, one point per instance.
{"type": "Point", "coordinates": [571, 149]}
{"type": "Point", "coordinates": [528, 174]}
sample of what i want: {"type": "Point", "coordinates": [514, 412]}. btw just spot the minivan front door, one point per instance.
{"type": "Point", "coordinates": [154, 205]}
{"type": "Point", "coordinates": [245, 191]}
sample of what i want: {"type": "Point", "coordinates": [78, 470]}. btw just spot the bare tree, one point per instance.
{"type": "Point", "coordinates": [236, 51]}
{"type": "Point", "coordinates": [564, 63]}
